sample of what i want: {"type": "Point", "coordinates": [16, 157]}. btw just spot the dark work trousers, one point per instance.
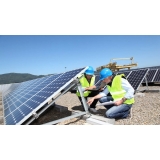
{"type": "Point", "coordinates": [92, 94]}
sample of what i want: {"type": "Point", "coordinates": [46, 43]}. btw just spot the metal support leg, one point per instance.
{"type": "Point", "coordinates": [146, 83]}
{"type": "Point", "coordinates": [83, 99]}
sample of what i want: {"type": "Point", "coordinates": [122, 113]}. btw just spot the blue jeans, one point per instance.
{"type": "Point", "coordinates": [116, 112]}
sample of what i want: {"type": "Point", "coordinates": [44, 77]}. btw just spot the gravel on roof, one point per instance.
{"type": "Point", "coordinates": [145, 111]}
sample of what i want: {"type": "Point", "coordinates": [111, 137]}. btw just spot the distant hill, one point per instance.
{"type": "Point", "coordinates": [17, 77]}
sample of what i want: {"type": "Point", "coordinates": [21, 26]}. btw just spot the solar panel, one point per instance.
{"type": "Point", "coordinates": [157, 76]}
{"type": "Point", "coordinates": [28, 97]}
{"type": "Point", "coordinates": [153, 76]}
{"type": "Point", "coordinates": [135, 77]}
{"type": "Point", "coordinates": [150, 76]}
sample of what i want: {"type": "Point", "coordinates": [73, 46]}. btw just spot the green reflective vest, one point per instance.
{"type": "Point", "coordinates": [117, 91]}
{"type": "Point", "coordinates": [84, 83]}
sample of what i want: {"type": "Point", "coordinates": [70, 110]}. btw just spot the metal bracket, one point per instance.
{"type": "Point", "coordinates": [146, 82]}
{"type": "Point", "coordinates": [35, 115]}
{"type": "Point", "coordinates": [86, 107]}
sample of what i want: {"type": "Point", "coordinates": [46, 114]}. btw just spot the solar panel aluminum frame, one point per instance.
{"type": "Point", "coordinates": [34, 114]}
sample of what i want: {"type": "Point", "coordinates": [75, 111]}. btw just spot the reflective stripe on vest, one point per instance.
{"type": "Point", "coordinates": [84, 83]}
{"type": "Point", "coordinates": [117, 91]}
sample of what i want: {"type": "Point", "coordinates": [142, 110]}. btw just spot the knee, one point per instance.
{"type": "Point", "coordinates": [103, 99]}
{"type": "Point", "coordinates": [109, 114]}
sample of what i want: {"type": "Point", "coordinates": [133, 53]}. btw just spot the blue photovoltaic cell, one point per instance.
{"type": "Point", "coordinates": [29, 96]}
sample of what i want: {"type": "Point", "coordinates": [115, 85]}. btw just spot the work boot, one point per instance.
{"type": "Point", "coordinates": [93, 110]}
{"type": "Point", "coordinates": [130, 114]}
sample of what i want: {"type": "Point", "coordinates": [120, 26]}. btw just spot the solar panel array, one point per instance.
{"type": "Point", "coordinates": [28, 97]}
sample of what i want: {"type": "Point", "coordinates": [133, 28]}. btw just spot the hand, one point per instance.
{"type": "Point", "coordinates": [90, 88]}
{"type": "Point", "coordinates": [93, 87]}
{"type": "Point", "coordinates": [101, 89]}
{"type": "Point", "coordinates": [117, 103]}
{"type": "Point", "coordinates": [90, 101]}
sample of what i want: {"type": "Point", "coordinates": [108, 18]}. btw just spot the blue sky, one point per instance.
{"type": "Point", "coordinates": [51, 54]}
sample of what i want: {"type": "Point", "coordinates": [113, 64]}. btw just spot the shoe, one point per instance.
{"type": "Point", "coordinates": [130, 114]}
{"type": "Point", "coordinates": [93, 110]}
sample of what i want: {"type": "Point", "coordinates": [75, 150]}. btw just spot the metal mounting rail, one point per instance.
{"type": "Point", "coordinates": [66, 118]}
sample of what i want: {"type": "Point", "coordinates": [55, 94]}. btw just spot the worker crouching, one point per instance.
{"type": "Point", "coordinates": [87, 82]}
{"type": "Point", "coordinates": [119, 90]}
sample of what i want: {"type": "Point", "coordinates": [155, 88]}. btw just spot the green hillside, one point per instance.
{"type": "Point", "coordinates": [17, 77]}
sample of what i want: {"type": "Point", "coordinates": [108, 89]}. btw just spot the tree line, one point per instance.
{"type": "Point", "coordinates": [17, 77]}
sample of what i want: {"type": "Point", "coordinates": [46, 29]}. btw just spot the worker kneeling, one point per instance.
{"type": "Point", "coordinates": [87, 82]}
{"type": "Point", "coordinates": [120, 91]}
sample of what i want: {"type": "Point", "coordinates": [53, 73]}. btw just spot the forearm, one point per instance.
{"type": "Point", "coordinates": [93, 98]}
{"type": "Point", "coordinates": [97, 96]}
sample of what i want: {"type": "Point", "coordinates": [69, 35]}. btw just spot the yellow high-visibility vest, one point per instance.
{"type": "Point", "coordinates": [84, 83]}
{"type": "Point", "coordinates": [117, 91]}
